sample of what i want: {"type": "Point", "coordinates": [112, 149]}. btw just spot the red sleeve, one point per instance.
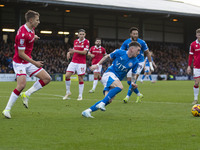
{"type": "Point", "coordinates": [104, 51]}
{"type": "Point", "coordinates": [191, 53]}
{"type": "Point", "coordinates": [91, 50]}
{"type": "Point", "coordinates": [86, 45]}
{"type": "Point", "coordinates": [21, 40]}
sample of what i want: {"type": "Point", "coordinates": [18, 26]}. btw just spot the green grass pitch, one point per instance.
{"type": "Point", "coordinates": [163, 121]}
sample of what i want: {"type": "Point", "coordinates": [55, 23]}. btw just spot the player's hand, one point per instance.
{"type": "Point", "coordinates": [188, 70]}
{"type": "Point", "coordinates": [68, 55]}
{"type": "Point", "coordinates": [39, 64]}
{"type": "Point", "coordinates": [71, 51]}
{"type": "Point", "coordinates": [134, 85]}
{"type": "Point", "coordinates": [37, 37]}
{"type": "Point", "coordinates": [151, 67]}
{"type": "Point", "coordinates": [92, 55]}
{"type": "Point", "coordinates": [93, 67]}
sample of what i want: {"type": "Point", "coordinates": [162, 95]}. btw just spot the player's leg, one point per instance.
{"type": "Point", "coordinates": [97, 76]}
{"type": "Point", "coordinates": [112, 87]}
{"type": "Point", "coordinates": [143, 77]}
{"type": "Point", "coordinates": [129, 76]}
{"type": "Point", "coordinates": [95, 82]}
{"type": "Point", "coordinates": [70, 70]}
{"type": "Point", "coordinates": [20, 71]}
{"type": "Point", "coordinates": [67, 84]}
{"type": "Point", "coordinates": [81, 72]}
{"type": "Point", "coordinates": [150, 77]}
{"type": "Point", "coordinates": [116, 87]}
{"type": "Point", "coordinates": [44, 79]}
{"type": "Point", "coordinates": [81, 87]}
{"type": "Point", "coordinates": [136, 91]}
{"type": "Point", "coordinates": [196, 90]}
{"type": "Point", "coordinates": [196, 73]}
{"type": "Point", "coordinates": [21, 83]}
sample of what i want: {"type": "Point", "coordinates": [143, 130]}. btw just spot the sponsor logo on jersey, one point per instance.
{"type": "Point", "coordinates": [130, 64]}
{"type": "Point", "coordinates": [21, 41]}
{"type": "Point", "coordinates": [197, 49]}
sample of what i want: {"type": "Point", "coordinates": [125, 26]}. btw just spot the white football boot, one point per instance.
{"type": "Point", "coordinates": [67, 95]}
{"type": "Point", "coordinates": [101, 106]}
{"type": "Point", "coordinates": [86, 113]}
{"type": "Point", "coordinates": [6, 113]}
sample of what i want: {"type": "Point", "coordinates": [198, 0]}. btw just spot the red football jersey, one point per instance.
{"type": "Point", "coordinates": [24, 40]}
{"type": "Point", "coordinates": [80, 46]}
{"type": "Point", "coordinates": [195, 52]}
{"type": "Point", "coordinates": [99, 52]}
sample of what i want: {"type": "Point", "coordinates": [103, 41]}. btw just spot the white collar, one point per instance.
{"type": "Point", "coordinates": [82, 40]}
{"type": "Point", "coordinates": [97, 47]}
{"type": "Point", "coordinates": [29, 30]}
{"type": "Point", "coordinates": [197, 41]}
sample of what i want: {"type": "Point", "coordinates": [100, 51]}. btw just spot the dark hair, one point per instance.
{"type": "Point", "coordinates": [98, 39]}
{"type": "Point", "coordinates": [134, 43]}
{"type": "Point", "coordinates": [132, 29]}
{"type": "Point", "coordinates": [81, 30]}
{"type": "Point", "coordinates": [31, 14]}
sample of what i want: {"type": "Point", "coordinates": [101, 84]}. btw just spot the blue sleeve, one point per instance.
{"type": "Point", "coordinates": [114, 54]}
{"type": "Point", "coordinates": [144, 46]}
{"type": "Point", "coordinates": [124, 46]}
{"type": "Point", "coordinates": [134, 69]}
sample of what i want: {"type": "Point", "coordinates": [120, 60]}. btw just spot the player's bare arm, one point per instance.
{"type": "Point", "coordinates": [154, 64]}
{"type": "Point", "coordinates": [148, 54]}
{"type": "Point", "coordinates": [77, 51]}
{"type": "Point", "coordinates": [26, 58]}
{"type": "Point", "coordinates": [37, 37]}
{"type": "Point", "coordinates": [133, 81]}
{"type": "Point", "coordinates": [93, 67]}
{"type": "Point", "coordinates": [188, 70]}
{"type": "Point", "coordinates": [91, 55]}
{"type": "Point", "coordinates": [68, 55]}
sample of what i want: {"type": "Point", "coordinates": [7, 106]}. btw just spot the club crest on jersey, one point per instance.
{"type": "Point", "coordinates": [21, 71]}
{"type": "Point", "coordinates": [130, 64]}
{"type": "Point", "coordinates": [21, 41]}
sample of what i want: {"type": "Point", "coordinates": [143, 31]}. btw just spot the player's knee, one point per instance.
{"type": "Point", "coordinates": [196, 84]}
{"type": "Point", "coordinates": [21, 86]}
{"type": "Point", "coordinates": [121, 87]}
{"type": "Point", "coordinates": [48, 79]}
{"type": "Point", "coordinates": [129, 82]}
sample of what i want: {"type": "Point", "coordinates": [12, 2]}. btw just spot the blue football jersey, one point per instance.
{"type": "Point", "coordinates": [122, 63]}
{"type": "Point", "coordinates": [144, 47]}
{"type": "Point", "coordinates": [147, 61]}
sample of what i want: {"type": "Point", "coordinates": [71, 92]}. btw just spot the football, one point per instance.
{"type": "Point", "coordinates": [196, 110]}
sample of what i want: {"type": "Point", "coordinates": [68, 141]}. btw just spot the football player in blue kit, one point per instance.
{"type": "Point", "coordinates": [147, 70]}
{"type": "Point", "coordinates": [123, 61]}
{"type": "Point", "coordinates": [144, 50]}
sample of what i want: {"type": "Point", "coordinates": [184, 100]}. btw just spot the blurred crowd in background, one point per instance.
{"type": "Point", "coordinates": [170, 58]}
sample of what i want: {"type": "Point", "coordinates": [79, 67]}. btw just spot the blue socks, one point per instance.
{"type": "Point", "coordinates": [150, 77]}
{"type": "Point", "coordinates": [106, 99]}
{"type": "Point", "coordinates": [143, 77]}
{"type": "Point", "coordinates": [130, 91]}
{"type": "Point", "coordinates": [129, 82]}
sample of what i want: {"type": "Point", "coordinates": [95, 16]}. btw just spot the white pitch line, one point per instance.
{"type": "Point", "coordinates": [114, 100]}
{"type": "Point", "coordinates": [118, 100]}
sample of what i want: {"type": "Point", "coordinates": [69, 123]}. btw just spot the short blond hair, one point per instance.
{"type": "Point", "coordinates": [31, 14]}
